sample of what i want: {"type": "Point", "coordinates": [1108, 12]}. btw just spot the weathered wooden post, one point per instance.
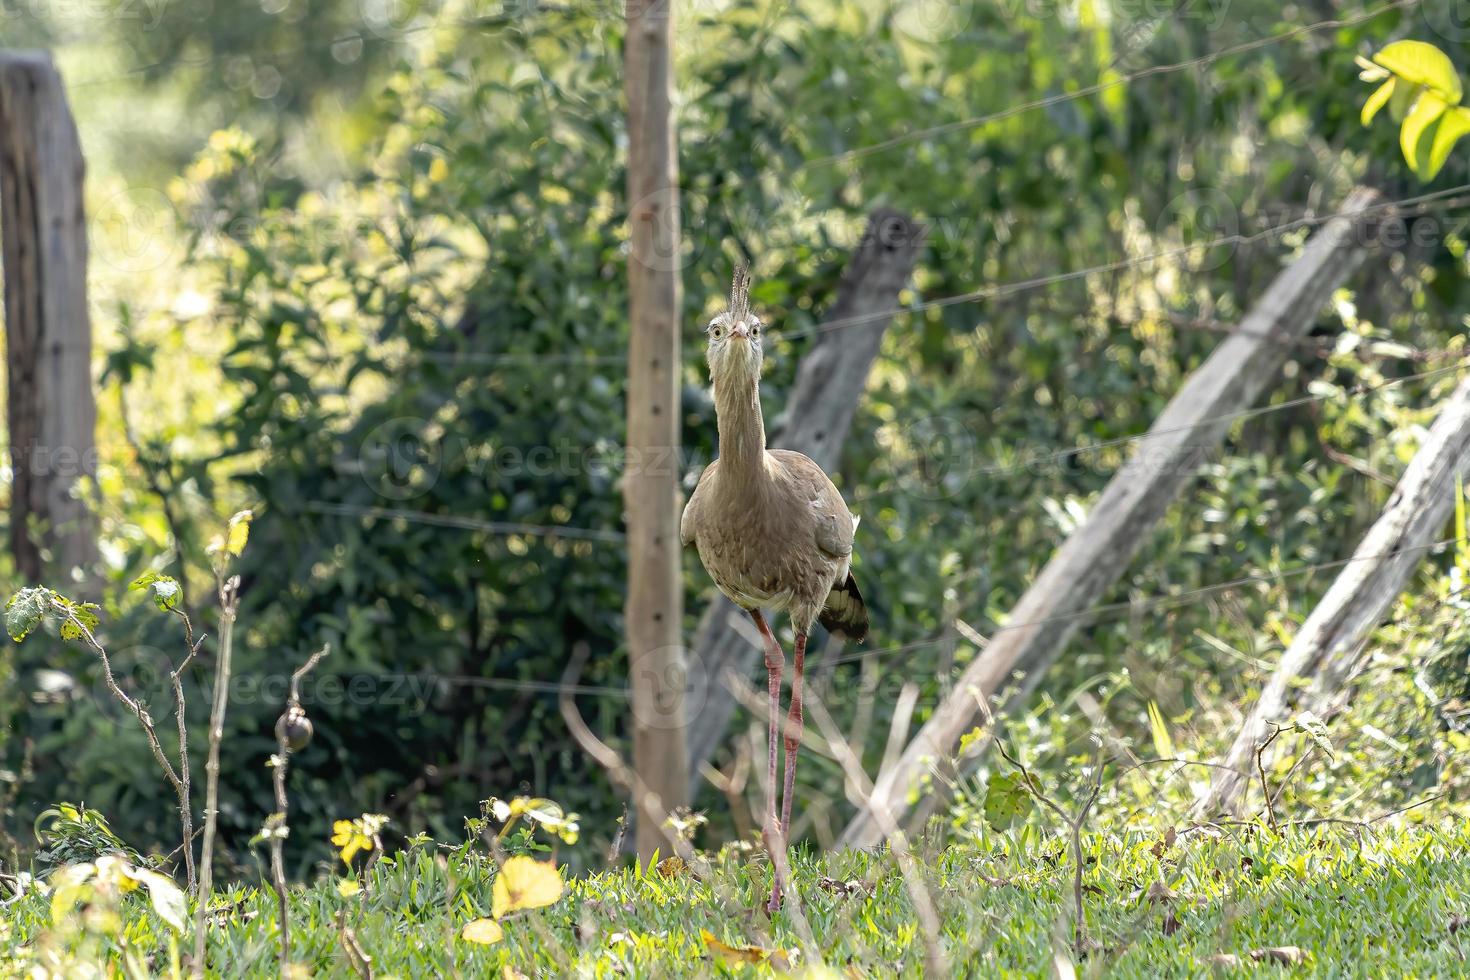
{"type": "Point", "coordinates": [48, 333]}
{"type": "Point", "coordinates": [655, 604]}
{"type": "Point", "coordinates": [1328, 648]}
{"type": "Point", "coordinates": [1140, 493]}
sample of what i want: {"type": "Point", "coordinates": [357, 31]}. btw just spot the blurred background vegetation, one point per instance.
{"type": "Point", "coordinates": [355, 261]}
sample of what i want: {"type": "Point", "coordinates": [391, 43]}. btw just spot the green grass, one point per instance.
{"type": "Point", "coordinates": [1369, 903]}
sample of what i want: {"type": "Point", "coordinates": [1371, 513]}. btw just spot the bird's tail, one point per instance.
{"type": "Point", "coordinates": [846, 615]}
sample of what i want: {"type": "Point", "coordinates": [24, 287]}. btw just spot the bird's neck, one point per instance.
{"type": "Point", "coordinates": [742, 430]}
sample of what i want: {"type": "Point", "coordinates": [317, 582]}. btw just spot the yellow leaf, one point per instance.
{"type": "Point", "coordinates": [1422, 64]}
{"type": "Point", "coordinates": [486, 932]}
{"type": "Point", "coordinates": [1428, 108]}
{"type": "Point", "coordinates": [239, 532]}
{"type": "Point", "coordinates": [1452, 125]}
{"type": "Point", "coordinates": [1163, 744]}
{"type": "Point", "coordinates": [1377, 101]}
{"type": "Point", "coordinates": [508, 972]}
{"type": "Point", "coordinates": [347, 888]}
{"type": "Point", "coordinates": [438, 170]}
{"type": "Point", "coordinates": [742, 955]}
{"type": "Point", "coordinates": [524, 883]}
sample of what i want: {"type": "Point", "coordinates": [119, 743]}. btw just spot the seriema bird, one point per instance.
{"type": "Point", "coordinates": [773, 532]}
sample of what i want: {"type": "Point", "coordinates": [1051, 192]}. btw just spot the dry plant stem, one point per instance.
{"type": "Point", "coordinates": [228, 604]}
{"type": "Point", "coordinates": [860, 788]}
{"type": "Point", "coordinates": [181, 789]}
{"type": "Point", "coordinates": [1261, 771]}
{"type": "Point", "coordinates": [176, 678]}
{"type": "Point", "coordinates": [1074, 824]}
{"type": "Point", "coordinates": [283, 804]}
{"type": "Point", "coordinates": [362, 963]}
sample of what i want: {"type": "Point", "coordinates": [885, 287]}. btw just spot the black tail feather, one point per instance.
{"type": "Point", "coordinates": [846, 615]}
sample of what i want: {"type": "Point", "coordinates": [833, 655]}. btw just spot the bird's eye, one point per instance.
{"type": "Point", "coordinates": [717, 331]}
{"type": "Point", "coordinates": [755, 331]}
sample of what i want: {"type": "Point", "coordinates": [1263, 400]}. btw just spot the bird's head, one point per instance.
{"type": "Point", "coordinates": [734, 351]}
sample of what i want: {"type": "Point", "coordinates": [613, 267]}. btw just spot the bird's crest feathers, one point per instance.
{"type": "Point", "coordinates": [740, 293]}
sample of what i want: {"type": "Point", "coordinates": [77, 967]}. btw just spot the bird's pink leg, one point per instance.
{"type": "Point", "coordinates": [775, 660]}
{"type": "Point", "coordinates": [794, 723]}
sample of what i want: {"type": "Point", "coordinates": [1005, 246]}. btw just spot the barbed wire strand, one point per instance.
{"type": "Point", "coordinates": [509, 528]}
{"type": "Point", "coordinates": [1149, 604]}
{"type": "Point", "coordinates": [1129, 606]}
{"type": "Point", "coordinates": [1002, 290]}
{"type": "Point", "coordinates": [975, 122]}
{"type": "Point", "coordinates": [1418, 204]}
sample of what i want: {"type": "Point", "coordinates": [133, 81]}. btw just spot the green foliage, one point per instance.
{"type": "Point", "coordinates": [410, 369]}
{"type": "Point", "coordinates": [163, 589]}
{"type": "Point", "coordinates": [30, 607]}
{"type": "Point", "coordinates": [70, 833]}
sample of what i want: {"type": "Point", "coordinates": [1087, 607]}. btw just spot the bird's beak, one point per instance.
{"type": "Point", "coordinates": [740, 330]}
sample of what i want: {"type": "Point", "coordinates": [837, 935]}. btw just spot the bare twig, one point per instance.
{"type": "Point", "coordinates": [229, 602]}
{"type": "Point", "coordinates": [1276, 730]}
{"type": "Point", "coordinates": [176, 678]}
{"type": "Point", "coordinates": [1074, 823]}
{"type": "Point", "coordinates": [181, 787]}
{"type": "Point", "coordinates": [289, 729]}
{"type": "Point", "coordinates": [859, 788]}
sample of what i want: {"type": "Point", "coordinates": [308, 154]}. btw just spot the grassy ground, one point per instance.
{"type": "Point", "coordinates": [1355, 902]}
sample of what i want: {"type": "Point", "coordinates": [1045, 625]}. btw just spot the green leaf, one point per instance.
{"type": "Point", "coordinates": [1377, 101]}
{"type": "Point", "coordinates": [164, 589]}
{"type": "Point", "coordinates": [1007, 800]}
{"type": "Point", "coordinates": [1426, 111]}
{"type": "Point", "coordinates": [1313, 727]}
{"type": "Point", "coordinates": [25, 611]}
{"type": "Point", "coordinates": [1452, 125]}
{"type": "Point", "coordinates": [1422, 64]}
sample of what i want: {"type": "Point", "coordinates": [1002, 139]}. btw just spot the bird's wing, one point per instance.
{"type": "Point", "coordinates": [689, 523]}
{"type": "Point", "coordinates": [834, 523]}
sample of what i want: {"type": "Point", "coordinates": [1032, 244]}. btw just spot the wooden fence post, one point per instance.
{"type": "Point", "coordinates": [829, 385]}
{"type": "Point", "coordinates": [655, 603]}
{"type": "Point", "coordinates": [1327, 648]}
{"type": "Point", "coordinates": [1140, 493]}
{"type": "Point", "coordinates": [52, 408]}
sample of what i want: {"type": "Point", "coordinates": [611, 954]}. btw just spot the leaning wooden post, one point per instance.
{"type": "Point", "coordinates": [655, 604]}
{"type": "Point", "coordinates": [829, 385]}
{"type": "Point", "coordinates": [48, 334]}
{"type": "Point", "coordinates": [1327, 649]}
{"type": "Point", "coordinates": [1165, 460]}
